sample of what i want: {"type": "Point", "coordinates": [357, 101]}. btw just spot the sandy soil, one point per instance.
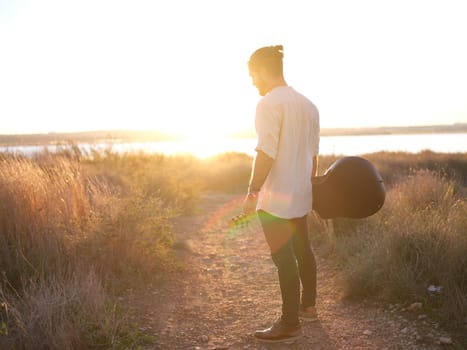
{"type": "Point", "coordinates": [229, 289]}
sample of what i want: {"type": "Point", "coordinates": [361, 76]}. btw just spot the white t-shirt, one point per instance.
{"type": "Point", "coordinates": [287, 125]}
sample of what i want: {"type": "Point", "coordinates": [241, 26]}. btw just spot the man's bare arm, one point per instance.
{"type": "Point", "coordinates": [314, 171]}
{"type": "Point", "coordinates": [262, 165]}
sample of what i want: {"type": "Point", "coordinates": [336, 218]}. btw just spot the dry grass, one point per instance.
{"type": "Point", "coordinates": [418, 239]}
{"type": "Point", "coordinates": [395, 166]}
{"type": "Point", "coordinates": [229, 172]}
{"type": "Point", "coordinates": [76, 229]}
{"type": "Point", "coordinates": [68, 241]}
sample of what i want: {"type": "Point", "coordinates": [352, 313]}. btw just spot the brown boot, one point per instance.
{"type": "Point", "coordinates": [279, 333]}
{"type": "Point", "coordinates": [308, 314]}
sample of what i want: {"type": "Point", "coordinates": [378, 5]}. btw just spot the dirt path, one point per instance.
{"type": "Point", "coordinates": [229, 289]}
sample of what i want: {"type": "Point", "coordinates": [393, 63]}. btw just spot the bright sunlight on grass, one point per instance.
{"type": "Point", "coordinates": [76, 229]}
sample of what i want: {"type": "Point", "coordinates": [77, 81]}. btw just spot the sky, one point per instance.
{"type": "Point", "coordinates": [180, 66]}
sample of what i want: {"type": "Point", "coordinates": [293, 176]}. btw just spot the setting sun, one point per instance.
{"type": "Point", "coordinates": [181, 66]}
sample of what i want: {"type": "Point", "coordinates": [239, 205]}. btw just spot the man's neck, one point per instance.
{"type": "Point", "coordinates": [277, 82]}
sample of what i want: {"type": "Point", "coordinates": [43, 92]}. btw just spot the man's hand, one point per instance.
{"type": "Point", "coordinates": [262, 164]}
{"type": "Point", "coordinates": [249, 204]}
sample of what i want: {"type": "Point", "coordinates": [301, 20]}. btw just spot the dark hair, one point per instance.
{"type": "Point", "coordinates": [269, 57]}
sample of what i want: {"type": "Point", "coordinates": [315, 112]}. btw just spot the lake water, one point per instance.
{"type": "Point", "coordinates": [329, 145]}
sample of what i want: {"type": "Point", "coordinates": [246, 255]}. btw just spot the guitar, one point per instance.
{"type": "Point", "coordinates": [350, 188]}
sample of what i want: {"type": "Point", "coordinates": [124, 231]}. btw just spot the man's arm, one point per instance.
{"type": "Point", "coordinates": [262, 165]}
{"type": "Point", "coordinates": [314, 171]}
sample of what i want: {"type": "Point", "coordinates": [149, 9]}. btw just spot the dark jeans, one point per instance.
{"type": "Point", "coordinates": [289, 244]}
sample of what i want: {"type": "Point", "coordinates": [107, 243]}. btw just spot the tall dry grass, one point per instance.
{"type": "Point", "coordinates": [229, 172]}
{"type": "Point", "coordinates": [417, 240]}
{"type": "Point", "coordinates": [174, 180]}
{"type": "Point", "coordinates": [395, 166]}
{"type": "Point", "coordinates": [44, 208]}
{"type": "Point", "coordinates": [69, 240]}
{"type": "Point", "coordinates": [77, 228]}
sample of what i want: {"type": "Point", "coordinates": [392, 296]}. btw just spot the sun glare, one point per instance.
{"type": "Point", "coordinates": [203, 142]}
{"type": "Point", "coordinates": [150, 65]}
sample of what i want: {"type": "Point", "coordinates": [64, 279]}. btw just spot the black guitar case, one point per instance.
{"type": "Point", "coordinates": [350, 188]}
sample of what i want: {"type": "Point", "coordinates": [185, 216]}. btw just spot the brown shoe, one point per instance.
{"type": "Point", "coordinates": [308, 314]}
{"type": "Point", "coordinates": [279, 333]}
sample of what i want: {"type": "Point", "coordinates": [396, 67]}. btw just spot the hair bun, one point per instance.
{"type": "Point", "coordinates": [266, 54]}
{"type": "Point", "coordinates": [280, 49]}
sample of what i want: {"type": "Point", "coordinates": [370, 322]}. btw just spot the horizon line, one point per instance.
{"type": "Point", "coordinates": [246, 131]}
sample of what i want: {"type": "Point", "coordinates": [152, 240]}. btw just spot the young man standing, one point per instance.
{"type": "Point", "coordinates": [287, 125]}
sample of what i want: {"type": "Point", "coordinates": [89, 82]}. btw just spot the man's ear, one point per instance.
{"type": "Point", "coordinates": [262, 73]}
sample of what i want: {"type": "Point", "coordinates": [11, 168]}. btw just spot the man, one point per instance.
{"type": "Point", "coordinates": [287, 125]}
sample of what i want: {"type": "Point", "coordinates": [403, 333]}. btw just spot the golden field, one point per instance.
{"type": "Point", "coordinates": [78, 228]}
